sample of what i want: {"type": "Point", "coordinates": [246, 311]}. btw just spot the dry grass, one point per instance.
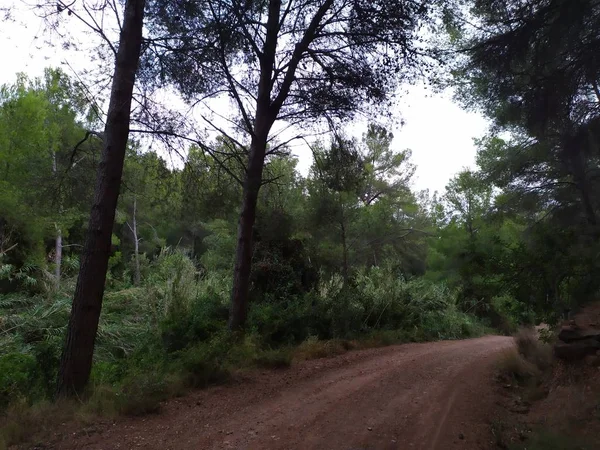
{"type": "Point", "coordinates": [533, 350]}
{"type": "Point", "coordinates": [274, 359]}
{"type": "Point", "coordinates": [36, 424]}
{"type": "Point", "coordinates": [528, 360]}
{"type": "Point", "coordinates": [104, 401]}
{"type": "Point", "coordinates": [25, 423]}
{"type": "Point", "coordinates": [313, 348]}
{"type": "Point", "coordinates": [513, 365]}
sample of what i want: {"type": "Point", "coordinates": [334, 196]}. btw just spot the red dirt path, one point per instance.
{"type": "Point", "coordinates": [433, 396]}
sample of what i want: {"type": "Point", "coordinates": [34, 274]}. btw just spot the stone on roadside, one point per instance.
{"type": "Point", "coordinates": [577, 349]}
{"type": "Point", "coordinates": [592, 360]}
{"type": "Point", "coordinates": [572, 333]}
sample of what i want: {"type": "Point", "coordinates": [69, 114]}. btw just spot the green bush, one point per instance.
{"type": "Point", "coordinates": [108, 372]}
{"type": "Point", "coordinates": [205, 316]}
{"type": "Point", "coordinates": [376, 300]}
{"type": "Point", "coordinates": [285, 323]}
{"type": "Point", "coordinates": [47, 356]}
{"type": "Point", "coordinates": [20, 377]}
{"type": "Point", "coordinates": [204, 364]}
{"type": "Point", "coordinates": [382, 338]}
{"type": "Point", "coordinates": [449, 324]}
{"type": "Point", "coordinates": [507, 313]}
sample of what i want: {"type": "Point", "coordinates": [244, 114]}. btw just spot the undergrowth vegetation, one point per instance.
{"type": "Point", "coordinates": [170, 334]}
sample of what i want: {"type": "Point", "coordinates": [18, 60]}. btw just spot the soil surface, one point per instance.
{"type": "Point", "coordinates": [433, 396]}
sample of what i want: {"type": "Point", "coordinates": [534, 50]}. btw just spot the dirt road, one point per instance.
{"type": "Point", "coordinates": [433, 396]}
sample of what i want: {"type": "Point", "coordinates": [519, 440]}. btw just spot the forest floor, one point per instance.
{"type": "Point", "coordinates": [431, 396]}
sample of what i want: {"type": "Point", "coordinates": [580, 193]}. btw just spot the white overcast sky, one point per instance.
{"type": "Point", "coordinates": [439, 133]}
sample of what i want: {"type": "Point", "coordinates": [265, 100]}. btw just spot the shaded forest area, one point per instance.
{"type": "Point", "coordinates": [229, 257]}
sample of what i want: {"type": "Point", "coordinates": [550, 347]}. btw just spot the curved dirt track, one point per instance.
{"type": "Point", "coordinates": [432, 396]}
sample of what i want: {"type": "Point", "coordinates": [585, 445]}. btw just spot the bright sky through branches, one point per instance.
{"type": "Point", "coordinates": [439, 133]}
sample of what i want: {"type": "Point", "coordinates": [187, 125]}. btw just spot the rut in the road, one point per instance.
{"type": "Point", "coordinates": [416, 396]}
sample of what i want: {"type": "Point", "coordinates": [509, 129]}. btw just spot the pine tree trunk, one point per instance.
{"type": "Point", "coordinates": [263, 121]}
{"type": "Point", "coordinates": [76, 360]}
{"type": "Point", "coordinates": [576, 164]}
{"type": "Point", "coordinates": [345, 270]}
{"type": "Point", "coordinates": [136, 276]}
{"type": "Point", "coordinates": [58, 244]}
{"type": "Point", "coordinates": [581, 180]}
{"type": "Point", "coordinates": [243, 255]}
{"type": "Point", "coordinates": [57, 257]}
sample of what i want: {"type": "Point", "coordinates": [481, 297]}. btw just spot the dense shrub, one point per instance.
{"type": "Point", "coordinates": [290, 322]}
{"type": "Point", "coordinates": [205, 363]}
{"type": "Point", "coordinates": [20, 377]}
{"type": "Point", "coordinates": [449, 324]}
{"type": "Point", "coordinates": [204, 316]}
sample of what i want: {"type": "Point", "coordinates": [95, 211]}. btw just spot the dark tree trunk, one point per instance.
{"type": "Point", "coordinates": [582, 184]}
{"type": "Point", "coordinates": [267, 110]}
{"type": "Point", "coordinates": [345, 271]}
{"type": "Point", "coordinates": [58, 243]}
{"type": "Point", "coordinates": [243, 254]}
{"type": "Point", "coordinates": [590, 212]}
{"type": "Point", "coordinates": [137, 277]}
{"type": "Point", "coordinates": [58, 246]}
{"type": "Point", "coordinates": [265, 116]}
{"type": "Point", "coordinates": [76, 360]}
{"type": "Point", "coordinates": [576, 164]}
